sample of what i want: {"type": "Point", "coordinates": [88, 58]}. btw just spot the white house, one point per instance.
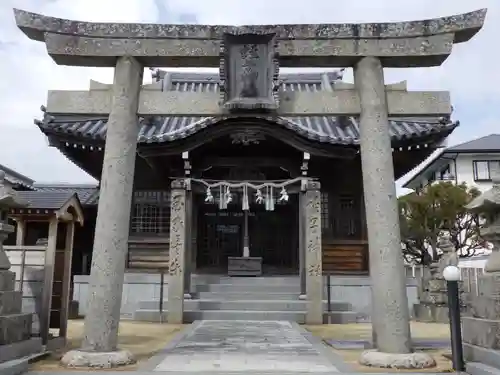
{"type": "Point", "coordinates": [468, 162]}
{"type": "Point", "coordinates": [16, 179]}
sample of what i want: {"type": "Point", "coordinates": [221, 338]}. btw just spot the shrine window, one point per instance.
{"type": "Point", "coordinates": [150, 213]}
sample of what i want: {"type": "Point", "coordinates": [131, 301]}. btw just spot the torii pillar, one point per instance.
{"type": "Point", "coordinates": [100, 341]}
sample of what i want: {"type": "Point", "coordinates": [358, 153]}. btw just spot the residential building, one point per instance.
{"type": "Point", "coordinates": [468, 162]}
{"type": "Point", "coordinates": [16, 179]}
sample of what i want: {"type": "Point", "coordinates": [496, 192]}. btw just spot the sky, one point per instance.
{"type": "Point", "coordinates": [470, 73]}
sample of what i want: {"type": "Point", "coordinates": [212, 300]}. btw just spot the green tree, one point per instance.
{"type": "Point", "coordinates": [438, 207]}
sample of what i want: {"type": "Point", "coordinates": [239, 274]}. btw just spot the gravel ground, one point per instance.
{"type": "Point", "coordinates": [362, 331]}
{"type": "Point", "coordinates": [142, 339]}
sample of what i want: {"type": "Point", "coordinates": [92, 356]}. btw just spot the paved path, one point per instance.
{"type": "Point", "coordinates": [244, 346]}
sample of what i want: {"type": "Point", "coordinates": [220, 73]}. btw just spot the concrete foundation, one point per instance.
{"type": "Point", "coordinates": [13, 351]}
{"type": "Point", "coordinates": [431, 313]}
{"type": "Point", "coordinates": [433, 300]}
{"type": "Point", "coordinates": [142, 292]}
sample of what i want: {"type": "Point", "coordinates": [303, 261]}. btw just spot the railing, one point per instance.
{"type": "Point", "coordinates": [469, 277]}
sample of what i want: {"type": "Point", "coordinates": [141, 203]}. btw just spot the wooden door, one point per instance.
{"type": "Point", "coordinates": [220, 235]}
{"type": "Point", "coordinates": [274, 235]}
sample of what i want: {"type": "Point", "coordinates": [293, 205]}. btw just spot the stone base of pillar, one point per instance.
{"type": "Point", "coordinates": [80, 358]}
{"type": "Point", "coordinates": [374, 358]}
{"type": "Point", "coordinates": [303, 297]}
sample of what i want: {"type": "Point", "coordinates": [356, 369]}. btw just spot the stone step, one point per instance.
{"type": "Point", "coordinates": [235, 296]}
{"type": "Point", "coordinates": [246, 305]}
{"type": "Point", "coordinates": [477, 368]}
{"type": "Point", "coordinates": [490, 357]}
{"type": "Point", "coordinates": [15, 328]}
{"type": "Point", "coordinates": [336, 317]}
{"type": "Point", "coordinates": [7, 280]}
{"type": "Point", "coordinates": [22, 349]}
{"type": "Point", "coordinates": [10, 302]}
{"type": "Point", "coordinates": [237, 288]}
{"type": "Point", "coordinates": [264, 280]}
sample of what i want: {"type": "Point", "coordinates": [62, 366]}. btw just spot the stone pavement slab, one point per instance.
{"type": "Point", "coordinates": [418, 344]}
{"type": "Point", "coordinates": [243, 346]}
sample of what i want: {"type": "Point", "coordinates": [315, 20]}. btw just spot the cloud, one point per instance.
{"type": "Point", "coordinates": [32, 73]}
{"type": "Point", "coordinates": [470, 73]}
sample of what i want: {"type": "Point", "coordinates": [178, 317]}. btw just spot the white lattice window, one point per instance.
{"type": "Point", "coordinates": [150, 212]}
{"type": "Point", "coordinates": [482, 169]}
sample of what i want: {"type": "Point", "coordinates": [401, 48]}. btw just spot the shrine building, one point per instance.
{"type": "Point", "coordinates": [271, 153]}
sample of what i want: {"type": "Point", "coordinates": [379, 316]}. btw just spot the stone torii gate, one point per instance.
{"type": "Point", "coordinates": [368, 48]}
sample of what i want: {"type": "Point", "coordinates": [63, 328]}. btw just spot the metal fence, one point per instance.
{"type": "Point", "coordinates": [469, 277]}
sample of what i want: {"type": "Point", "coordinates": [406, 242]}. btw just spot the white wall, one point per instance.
{"type": "Point", "coordinates": [465, 171]}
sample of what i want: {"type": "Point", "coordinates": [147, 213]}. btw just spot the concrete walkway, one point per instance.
{"type": "Point", "coordinates": [244, 347]}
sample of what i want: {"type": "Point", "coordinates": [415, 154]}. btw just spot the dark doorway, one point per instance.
{"type": "Point", "coordinates": [273, 236]}
{"type": "Point", "coordinates": [220, 235]}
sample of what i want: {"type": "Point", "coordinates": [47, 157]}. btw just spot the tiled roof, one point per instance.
{"type": "Point", "coordinates": [45, 199]}
{"type": "Point", "coordinates": [488, 143]}
{"type": "Point", "coordinates": [16, 178]}
{"type": "Point", "coordinates": [87, 194]}
{"type": "Point", "coordinates": [327, 129]}
{"type": "Point", "coordinates": [428, 166]}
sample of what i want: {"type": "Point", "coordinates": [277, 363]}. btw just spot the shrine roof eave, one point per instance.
{"type": "Point", "coordinates": [50, 203]}
{"type": "Point", "coordinates": [87, 193]}
{"type": "Point", "coordinates": [75, 149]}
{"type": "Point", "coordinates": [342, 131]}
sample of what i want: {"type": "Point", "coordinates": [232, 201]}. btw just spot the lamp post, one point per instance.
{"type": "Point", "coordinates": [452, 275]}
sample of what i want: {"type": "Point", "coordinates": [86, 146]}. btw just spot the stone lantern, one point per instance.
{"type": "Point", "coordinates": [15, 327]}
{"type": "Point", "coordinates": [432, 291]}
{"type": "Point", "coordinates": [488, 206]}
{"type": "Point", "coordinates": [481, 331]}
